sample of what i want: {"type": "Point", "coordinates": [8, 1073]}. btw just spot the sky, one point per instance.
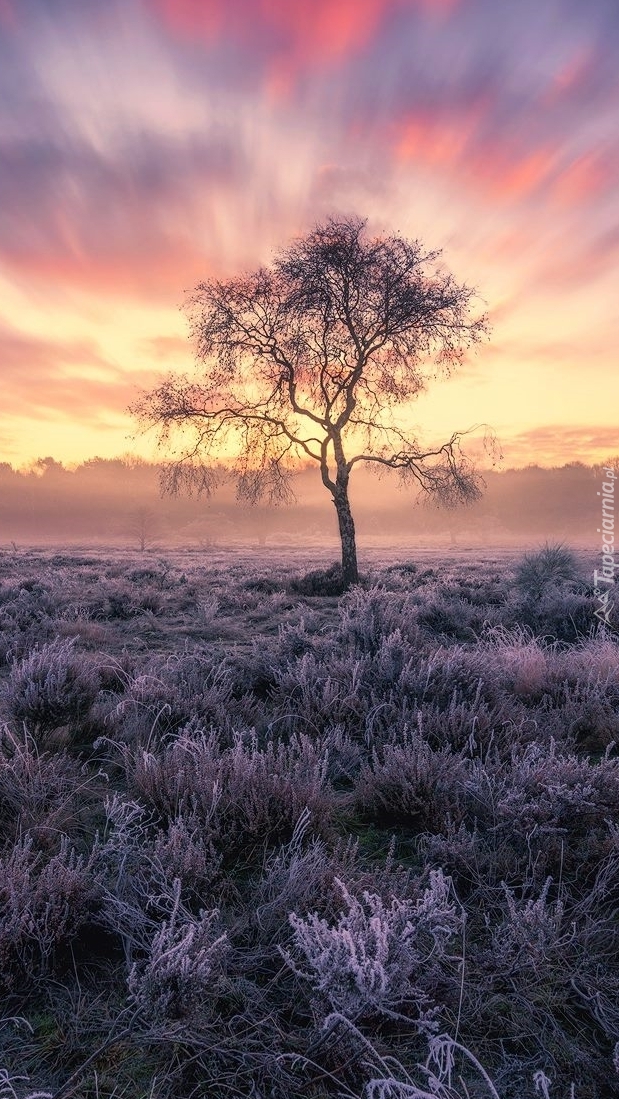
{"type": "Point", "coordinates": [148, 144]}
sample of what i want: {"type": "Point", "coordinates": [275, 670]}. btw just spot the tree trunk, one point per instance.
{"type": "Point", "coordinates": [346, 526]}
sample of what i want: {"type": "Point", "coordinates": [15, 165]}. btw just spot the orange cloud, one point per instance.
{"type": "Point", "coordinates": [581, 263]}
{"type": "Point", "coordinates": [324, 29]}
{"type": "Point", "coordinates": [557, 443]}
{"type": "Point", "coordinates": [60, 377]}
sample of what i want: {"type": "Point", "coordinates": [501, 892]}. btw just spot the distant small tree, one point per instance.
{"type": "Point", "coordinates": [309, 359]}
{"type": "Point", "coordinates": [143, 527]}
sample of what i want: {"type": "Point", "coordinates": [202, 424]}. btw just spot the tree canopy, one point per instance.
{"type": "Point", "coordinates": [311, 359]}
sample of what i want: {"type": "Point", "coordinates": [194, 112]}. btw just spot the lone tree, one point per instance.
{"type": "Point", "coordinates": [143, 527]}
{"type": "Point", "coordinates": [309, 359]}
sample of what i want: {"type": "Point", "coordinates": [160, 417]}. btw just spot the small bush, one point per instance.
{"type": "Point", "coordinates": [548, 789]}
{"type": "Point", "coordinates": [368, 617]}
{"type": "Point", "coordinates": [27, 618]}
{"type": "Point", "coordinates": [167, 693]}
{"type": "Point", "coordinates": [409, 784]}
{"type": "Point", "coordinates": [242, 795]}
{"type": "Point", "coordinates": [43, 905]}
{"type": "Point", "coordinates": [320, 582]}
{"type": "Point", "coordinates": [176, 980]}
{"type": "Point", "coordinates": [48, 796]}
{"type": "Point", "coordinates": [53, 686]}
{"type": "Point", "coordinates": [551, 566]}
{"type": "Point", "coordinates": [379, 958]}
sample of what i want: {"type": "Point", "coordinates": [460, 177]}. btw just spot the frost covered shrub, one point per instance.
{"type": "Point", "coordinates": [147, 873]}
{"type": "Point", "coordinates": [445, 671]}
{"type": "Point", "coordinates": [545, 788]}
{"type": "Point", "coordinates": [560, 962]}
{"type": "Point", "coordinates": [117, 600]}
{"type": "Point", "coordinates": [50, 687]}
{"type": "Point", "coordinates": [458, 693]}
{"type": "Point", "coordinates": [45, 795]}
{"type": "Point", "coordinates": [365, 693]}
{"type": "Point", "coordinates": [368, 617]}
{"type": "Point", "coordinates": [551, 566]}
{"type": "Point", "coordinates": [27, 617]}
{"type": "Point", "coordinates": [390, 664]}
{"type": "Point", "coordinates": [298, 876]}
{"type": "Point", "coordinates": [293, 641]}
{"type": "Point", "coordinates": [530, 932]}
{"type": "Point", "coordinates": [138, 891]}
{"type": "Point", "coordinates": [565, 616]}
{"type": "Point", "coordinates": [313, 692]}
{"type": "Point", "coordinates": [544, 812]}
{"type": "Point", "coordinates": [345, 756]}
{"type": "Point", "coordinates": [458, 850]}
{"type": "Point", "coordinates": [182, 850]}
{"type": "Point", "coordinates": [408, 783]}
{"type": "Point", "coordinates": [320, 582]}
{"type": "Point", "coordinates": [595, 660]}
{"type": "Point", "coordinates": [175, 982]}
{"type": "Point", "coordinates": [253, 673]}
{"type": "Point", "coordinates": [379, 958]}
{"type": "Point", "coordinates": [585, 713]}
{"type": "Point", "coordinates": [525, 664]}
{"type": "Point", "coordinates": [168, 693]}
{"type": "Point", "coordinates": [472, 726]}
{"type": "Point", "coordinates": [551, 595]}
{"type": "Point", "coordinates": [584, 700]}
{"type": "Point", "coordinates": [240, 794]}
{"type": "Point", "coordinates": [265, 585]}
{"type": "Point", "coordinates": [454, 617]}
{"type": "Point", "coordinates": [569, 692]}
{"type": "Point", "coordinates": [43, 906]}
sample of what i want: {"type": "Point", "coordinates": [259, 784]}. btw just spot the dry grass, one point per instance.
{"type": "Point", "coordinates": [260, 842]}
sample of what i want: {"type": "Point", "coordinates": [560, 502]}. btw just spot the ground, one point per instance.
{"type": "Point", "coordinates": [255, 842]}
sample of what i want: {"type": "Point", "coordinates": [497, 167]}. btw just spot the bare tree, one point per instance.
{"type": "Point", "coordinates": [143, 527]}
{"type": "Point", "coordinates": [311, 359]}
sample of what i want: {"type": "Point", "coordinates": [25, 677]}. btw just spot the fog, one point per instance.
{"type": "Point", "coordinates": [118, 502]}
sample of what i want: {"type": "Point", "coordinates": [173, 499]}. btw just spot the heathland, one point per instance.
{"type": "Point", "coordinates": [262, 838]}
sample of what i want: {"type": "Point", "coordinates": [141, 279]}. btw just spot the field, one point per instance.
{"type": "Point", "coordinates": [261, 839]}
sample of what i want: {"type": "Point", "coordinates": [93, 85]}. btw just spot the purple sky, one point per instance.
{"type": "Point", "coordinates": [145, 145]}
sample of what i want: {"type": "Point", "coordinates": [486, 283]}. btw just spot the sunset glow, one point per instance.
{"type": "Point", "coordinates": [146, 144]}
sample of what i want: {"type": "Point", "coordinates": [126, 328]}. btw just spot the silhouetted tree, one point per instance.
{"type": "Point", "coordinates": [310, 359]}
{"type": "Point", "coordinates": [143, 527]}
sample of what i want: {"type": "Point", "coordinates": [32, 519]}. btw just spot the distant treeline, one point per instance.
{"type": "Point", "coordinates": [119, 501]}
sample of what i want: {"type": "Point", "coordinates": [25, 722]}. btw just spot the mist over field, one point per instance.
{"type": "Point", "coordinates": [119, 502]}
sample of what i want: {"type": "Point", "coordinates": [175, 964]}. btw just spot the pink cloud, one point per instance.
{"type": "Point", "coordinates": [294, 37]}
{"type": "Point", "coordinates": [43, 378]}
{"type": "Point", "coordinates": [162, 273]}
{"type": "Point", "coordinates": [584, 179]}
{"type": "Point", "coordinates": [572, 76]}
{"type": "Point", "coordinates": [8, 15]}
{"type": "Point", "coordinates": [502, 168]}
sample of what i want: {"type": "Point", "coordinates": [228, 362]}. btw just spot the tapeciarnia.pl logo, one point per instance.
{"type": "Point", "coordinates": [604, 580]}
